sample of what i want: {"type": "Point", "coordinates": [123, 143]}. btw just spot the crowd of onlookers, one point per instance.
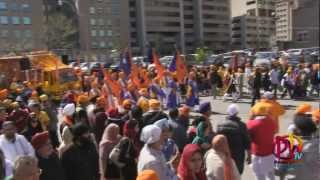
{"type": "Point", "coordinates": [91, 134]}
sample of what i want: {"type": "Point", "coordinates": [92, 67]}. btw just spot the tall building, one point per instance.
{"type": "Point", "coordinates": [255, 29]}
{"type": "Point", "coordinates": [284, 9]}
{"type": "Point", "coordinates": [297, 23]}
{"type": "Point", "coordinates": [238, 8]}
{"type": "Point", "coordinates": [103, 26]}
{"type": "Point", "coordinates": [184, 24]}
{"type": "Point", "coordinates": [207, 23]}
{"type": "Point", "coordinates": [21, 25]}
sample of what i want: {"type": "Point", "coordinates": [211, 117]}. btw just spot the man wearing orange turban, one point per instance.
{"type": "Point", "coordinates": [276, 110]}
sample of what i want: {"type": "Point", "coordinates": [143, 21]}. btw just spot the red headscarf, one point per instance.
{"type": "Point", "coordinates": [183, 169]}
{"type": "Point", "coordinates": [129, 131]}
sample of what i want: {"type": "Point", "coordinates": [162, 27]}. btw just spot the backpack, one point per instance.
{"type": "Point", "coordinates": [115, 153]}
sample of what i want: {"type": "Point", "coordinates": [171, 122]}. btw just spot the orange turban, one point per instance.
{"type": "Point", "coordinates": [127, 104]}
{"type": "Point", "coordinates": [154, 104]}
{"type": "Point", "coordinates": [83, 99]}
{"type": "Point", "coordinates": [316, 116]}
{"type": "Point", "coordinates": [143, 92]}
{"type": "Point", "coordinates": [303, 108]}
{"type": "Point", "coordinates": [147, 175]}
{"type": "Point", "coordinates": [3, 94]}
{"type": "Point", "coordinates": [261, 110]}
{"type": "Point", "coordinates": [101, 102]}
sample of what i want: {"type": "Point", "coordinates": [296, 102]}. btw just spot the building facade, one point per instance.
{"type": "Point", "coordinates": [255, 29]}
{"type": "Point", "coordinates": [182, 24]}
{"type": "Point", "coordinates": [21, 26]}
{"type": "Point", "coordinates": [297, 23]}
{"type": "Point", "coordinates": [103, 26]}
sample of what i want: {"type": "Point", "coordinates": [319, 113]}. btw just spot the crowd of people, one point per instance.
{"type": "Point", "coordinates": [146, 131]}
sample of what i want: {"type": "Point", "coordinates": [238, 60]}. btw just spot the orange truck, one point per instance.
{"type": "Point", "coordinates": [40, 68]}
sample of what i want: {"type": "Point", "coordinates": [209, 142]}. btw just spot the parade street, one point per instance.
{"type": "Point", "coordinates": [219, 108]}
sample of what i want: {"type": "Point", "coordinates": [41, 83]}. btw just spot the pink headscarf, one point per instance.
{"type": "Point", "coordinates": [183, 168]}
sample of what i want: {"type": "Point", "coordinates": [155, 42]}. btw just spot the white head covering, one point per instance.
{"type": "Point", "coordinates": [162, 124]}
{"type": "Point", "coordinates": [233, 109]}
{"type": "Point", "coordinates": [268, 95]}
{"type": "Point", "coordinates": [69, 109]}
{"type": "Point", "coordinates": [150, 134]}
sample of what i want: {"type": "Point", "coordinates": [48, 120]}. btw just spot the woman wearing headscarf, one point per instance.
{"type": "Point", "coordinates": [33, 127]}
{"type": "Point", "coordinates": [151, 156]}
{"type": "Point", "coordinates": [191, 164]}
{"type": "Point", "coordinates": [218, 161]}
{"type": "Point", "coordinates": [129, 149]}
{"type": "Point", "coordinates": [110, 138]}
{"type": "Point", "coordinates": [201, 139]}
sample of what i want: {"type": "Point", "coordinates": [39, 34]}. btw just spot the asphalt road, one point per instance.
{"type": "Point", "coordinates": [219, 107]}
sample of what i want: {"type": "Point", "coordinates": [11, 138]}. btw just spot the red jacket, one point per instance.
{"type": "Point", "coordinates": [262, 130]}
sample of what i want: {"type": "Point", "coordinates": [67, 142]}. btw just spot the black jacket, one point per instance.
{"type": "Point", "coordinates": [51, 168]}
{"type": "Point", "coordinates": [81, 163]}
{"type": "Point", "coordinates": [238, 138]}
{"type": "Point", "coordinates": [151, 117]}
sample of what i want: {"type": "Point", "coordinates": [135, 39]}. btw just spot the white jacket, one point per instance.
{"type": "Point", "coordinates": [19, 147]}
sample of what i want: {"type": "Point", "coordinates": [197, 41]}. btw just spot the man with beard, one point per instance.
{"type": "Point", "coordinates": [48, 159]}
{"type": "Point", "coordinates": [14, 144]}
{"type": "Point", "coordinates": [81, 161]}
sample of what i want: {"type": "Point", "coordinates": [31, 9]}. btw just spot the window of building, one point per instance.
{"type": "Point", "coordinates": [3, 6]}
{"type": "Point", "coordinates": [92, 10]}
{"type": "Point", "coordinates": [101, 33]}
{"type": "Point", "coordinates": [4, 33]}
{"type": "Point", "coordinates": [4, 20]}
{"type": "Point", "coordinates": [109, 33]}
{"type": "Point", "coordinates": [27, 33]}
{"type": "Point", "coordinates": [17, 33]}
{"type": "Point", "coordinates": [102, 44]}
{"type": "Point", "coordinates": [25, 7]}
{"type": "Point", "coordinates": [14, 7]}
{"type": "Point", "coordinates": [302, 36]}
{"type": "Point", "coordinates": [110, 44]}
{"type": "Point", "coordinates": [93, 22]}
{"type": "Point", "coordinates": [26, 21]}
{"type": "Point", "coordinates": [94, 44]}
{"type": "Point", "coordinates": [99, 10]}
{"type": "Point", "coordinates": [101, 22]}
{"type": "Point", "coordinates": [15, 20]}
{"type": "Point", "coordinates": [109, 22]}
{"type": "Point", "coordinates": [93, 33]}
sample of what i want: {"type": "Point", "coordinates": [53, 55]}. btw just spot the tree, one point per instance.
{"type": "Point", "coordinates": [60, 32]}
{"type": "Point", "coordinates": [202, 54]}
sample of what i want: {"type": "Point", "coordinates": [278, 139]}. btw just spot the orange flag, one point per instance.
{"type": "Point", "coordinates": [114, 85]}
{"type": "Point", "coordinates": [181, 68]}
{"type": "Point", "coordinates": [160, 69]}
{"type": "Point", "coordinates": [135, 75]}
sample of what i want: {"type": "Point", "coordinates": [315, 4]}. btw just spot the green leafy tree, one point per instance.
{"type": "Point", "coordinates": [202, 54]}
{"type": "Point", "coordinates": [60, 32]}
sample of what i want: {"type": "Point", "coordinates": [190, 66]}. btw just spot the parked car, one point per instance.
{"type": "Point", "coordinates": [264, 58]}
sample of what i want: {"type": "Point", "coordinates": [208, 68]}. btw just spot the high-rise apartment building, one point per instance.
{"type": "Point", "coordinates": [103, 26]}
{"type": "Point", "coordinates": [21, 25]}
{"type": "Point", "coordinates": [284, 9]}
{"type": "Point", "coordinates": [185, 24]}
{"type": "Point", "coordinates": [297, 23]}
{"type": "Point", "coordinates": [207, 23]}
{"type": "Point", "coordinates": [257, 27]}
